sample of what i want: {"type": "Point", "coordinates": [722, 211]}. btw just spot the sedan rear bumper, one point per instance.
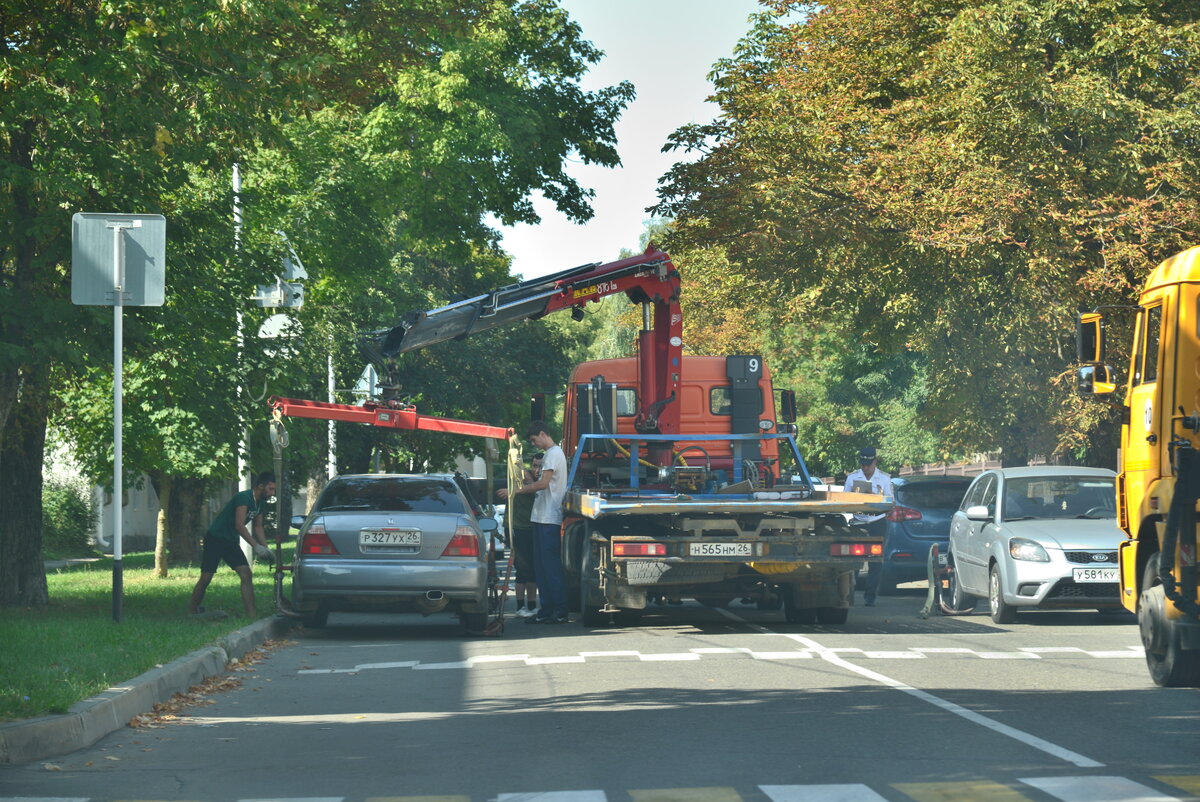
{"type": "Point", "coordinates": [313, 579]}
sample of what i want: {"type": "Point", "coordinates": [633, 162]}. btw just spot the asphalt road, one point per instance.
{"type": "Point", "coordinates": [694, 705]}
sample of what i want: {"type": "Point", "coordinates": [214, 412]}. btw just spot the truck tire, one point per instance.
{"type": "Point", "coordinates": [833, 616]}
{"type": "Point", "coordinates": [628, 618]}
{"type": "Point", "coordinates": [590, 600]}
{"type": "Point", "coordinates": [1170, 665]}
{"type": "Point", "coordinates": [794, 614]}
{"type": "Point", "coordinates": [578, 538]}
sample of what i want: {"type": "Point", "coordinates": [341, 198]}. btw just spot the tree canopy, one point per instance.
{"type": "Point", "coordinates": [954, 180]}
{"type": "Point", "coordinates": [377, 137]}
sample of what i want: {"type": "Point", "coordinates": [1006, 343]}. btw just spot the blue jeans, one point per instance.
{"type": "Point", "coordinates": [548, 570]}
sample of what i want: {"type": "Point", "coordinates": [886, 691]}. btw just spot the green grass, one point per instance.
{"type": "Point", "coordinates": [55, 656]}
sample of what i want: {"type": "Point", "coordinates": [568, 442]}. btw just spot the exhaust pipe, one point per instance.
{"type": "Point", "coordinates": [434, 595]}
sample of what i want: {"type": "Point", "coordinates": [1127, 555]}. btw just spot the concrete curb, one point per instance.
{"type": "Point", "coordinates": [91, 719]}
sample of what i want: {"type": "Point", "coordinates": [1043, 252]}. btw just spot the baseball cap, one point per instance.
{"type": "Point", "coordinates": [867, 454]}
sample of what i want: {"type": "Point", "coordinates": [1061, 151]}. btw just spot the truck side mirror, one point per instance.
{"type": "Point", "coordinates": [1089, 337]}
{"type": "Point", "coordinates": [787, 406]}
{"type": "Point", "coordinates": [1096, 380]}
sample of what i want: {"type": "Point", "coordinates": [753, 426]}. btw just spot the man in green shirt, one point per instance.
{"type": "Point", "coordinates": [223, 539]}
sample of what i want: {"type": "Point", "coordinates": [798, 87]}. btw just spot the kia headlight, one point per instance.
{"type": "Point", "coordinates": [1028, 550]}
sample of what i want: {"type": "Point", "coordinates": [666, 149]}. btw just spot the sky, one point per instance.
{"type": "Point", "coordinates": [666, 49]}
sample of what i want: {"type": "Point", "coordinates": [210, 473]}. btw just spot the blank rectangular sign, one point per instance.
{"type": "Point", "coordinates": [92, 257]}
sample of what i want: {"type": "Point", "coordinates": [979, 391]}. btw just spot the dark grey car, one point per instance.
{"type": "Point", "coordinates": [392, 543]}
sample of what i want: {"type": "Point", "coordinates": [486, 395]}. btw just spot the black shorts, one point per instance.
{"type": "Point", "coordinates": [523, 555]}
{"type": "Point", "coordinates": [217, 549]}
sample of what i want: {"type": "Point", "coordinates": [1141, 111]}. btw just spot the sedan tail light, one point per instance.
{"type": "Point", "coordinates": [899, 513]}
{"type": "Point", "coordinates": [316, 541]}
{"type": "Point", "coordinates": [465, 543]}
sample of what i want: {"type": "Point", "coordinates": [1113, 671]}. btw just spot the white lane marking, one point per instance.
{"type": "Point", "coordinates": [45, 799]}
{"type": "Point", "coordinates": [1097, 789]}
{"type": "Point", "coordinates": [1052, 649]}
{"type": "Point", "coordinates": [970, 715]}
{"type": "Point", "coordinates": [667, 657]}
{"type": "Point", "coordinates": [548, 661]}
{"type": "Point", "coordinates": [913, 653]}
{"type": "Point", "coordinates": [820, 793]}
{"type": "Point", "coordinates": [554, 796]}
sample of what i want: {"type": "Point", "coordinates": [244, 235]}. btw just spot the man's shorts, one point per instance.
{"type": "Point", "coordinates": [523, 555]}
{"type": "Point", "coordinates": [217, 549]}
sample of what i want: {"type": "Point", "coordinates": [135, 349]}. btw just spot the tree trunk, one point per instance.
{"type": "Point", "coordinates": [183, 518]}
{"type": "Point", "coordinates": [162, 486]}
{"type": "Point", "coordinates": [22, 570]}
{"type": "Point", "coordinates": [316, 483]}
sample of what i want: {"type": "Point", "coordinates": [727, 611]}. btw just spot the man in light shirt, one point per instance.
{"type": "Point", "coordinates": [547, 517]}
{"type": "Point", "coordinates": [881, 484]}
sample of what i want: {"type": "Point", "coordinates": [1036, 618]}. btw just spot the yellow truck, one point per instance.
{"type": "Point", "coordinates": [1158, 472]}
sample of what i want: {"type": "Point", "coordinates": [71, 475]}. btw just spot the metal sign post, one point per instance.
{"type": "Point", "coordinates": [137, 245]}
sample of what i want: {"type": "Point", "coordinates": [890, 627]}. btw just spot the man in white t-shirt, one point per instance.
{"type": "Point", "coordinates": [551, 489]}
{"type": "Point", "coordinates": [875, 524]}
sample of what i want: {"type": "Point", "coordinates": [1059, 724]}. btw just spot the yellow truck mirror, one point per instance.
{"type": "Point", "coordinates": [1089, 337]}
{"type": "Point", "coordinates": [1096, 380]}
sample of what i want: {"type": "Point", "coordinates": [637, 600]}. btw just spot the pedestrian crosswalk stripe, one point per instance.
{"type": "Point", "coordinates": [1189, 784]}
{"type": "Point", "coordinates": [976, 791]}
{"type": "Point", "coordinates": [1078, 788]}
{"type": "Point", "coordinates": [418, 799]}
{"type": "Point", "coordinates": [554, 796]}
{"type": "Point", "coordinates": [821, 793]}
{"type": "Point", "coordinates": [1097, 789]}
{"type": "Point", "coordinates": [686, 795]}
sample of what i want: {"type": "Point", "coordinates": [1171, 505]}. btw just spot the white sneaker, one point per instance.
{"type": "Point", "coordinates": [524, 612]}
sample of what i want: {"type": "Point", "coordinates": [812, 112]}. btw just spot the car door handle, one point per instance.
{"type": "Point", "coordinates": [1152, 439]}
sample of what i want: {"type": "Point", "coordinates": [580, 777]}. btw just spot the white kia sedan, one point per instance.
{"type": "Point", "coordinates": [1042, 537]}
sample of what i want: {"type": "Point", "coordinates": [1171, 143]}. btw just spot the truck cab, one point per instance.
{"type": "Point", "coordinates": [720, 395]}
{"type": "Point", "coordinates": [1160, 420]}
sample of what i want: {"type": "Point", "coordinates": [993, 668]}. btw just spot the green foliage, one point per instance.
{"type": "Point", "coordinates": [69, 516]}
{"type": "Point", "coordinates": [377, 138]}
{"type": "Point", "coordinates": [956, 179]}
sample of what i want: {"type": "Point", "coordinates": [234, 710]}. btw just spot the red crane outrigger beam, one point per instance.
{"type": "Point", "coordinates": [387, 416]}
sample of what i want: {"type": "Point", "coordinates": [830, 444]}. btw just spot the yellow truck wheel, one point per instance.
{"type": "Point", "coordinates": [1170, 665]}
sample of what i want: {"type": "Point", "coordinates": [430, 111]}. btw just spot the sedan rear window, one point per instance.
{"type": "Point", "coordinates": [931, 495]}
{"type": "Point", "coordinates": [390, 493]}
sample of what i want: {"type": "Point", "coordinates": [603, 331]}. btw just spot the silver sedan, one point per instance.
{"type": "Point", "coordinates": [1039, 537]}
{"type": "Point", "coordinates": [392, 543]}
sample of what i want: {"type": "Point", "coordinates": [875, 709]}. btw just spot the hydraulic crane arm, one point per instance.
{"type": "Point", "coordinates": [389, 415]}
{"type": "Point", "coordinates": [649, 279]}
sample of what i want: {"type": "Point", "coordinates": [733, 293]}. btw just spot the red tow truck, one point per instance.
{"type": "Point", "coordinates": [683, 483]}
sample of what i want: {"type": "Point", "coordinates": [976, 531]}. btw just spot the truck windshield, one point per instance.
{"type": "Point", "coordinates": [1059, 497]}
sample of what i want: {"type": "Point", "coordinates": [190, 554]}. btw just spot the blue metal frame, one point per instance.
{"type": "Point", "coordinates": [635, 441]}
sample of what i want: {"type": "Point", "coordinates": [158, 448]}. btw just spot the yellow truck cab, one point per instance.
{"type": "Point", "coordinates": [1158, 461]}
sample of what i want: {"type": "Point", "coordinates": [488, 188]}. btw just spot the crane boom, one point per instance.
{"type": "Point", "coordinates": [649, 279]}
